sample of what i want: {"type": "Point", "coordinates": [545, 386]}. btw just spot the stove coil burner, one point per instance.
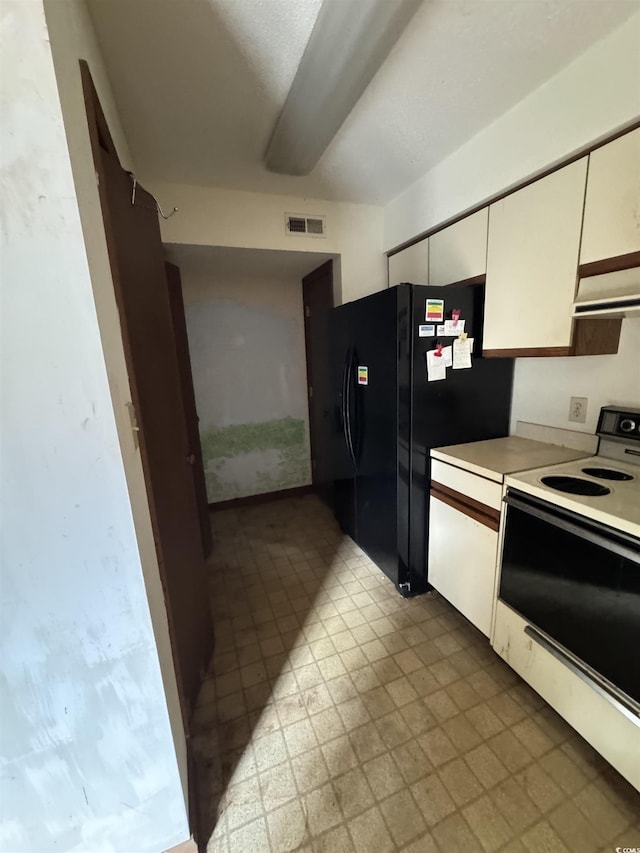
{"type": "Point", "coordinates": [575, 486]}
{"type": "Point", "coordinates": [607, 474]}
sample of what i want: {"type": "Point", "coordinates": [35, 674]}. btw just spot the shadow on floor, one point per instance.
{"type": "Point", "coordinates": [268, 565]}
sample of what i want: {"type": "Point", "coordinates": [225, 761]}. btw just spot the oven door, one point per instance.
{"type": "Point", "coordinates": [577, 582]}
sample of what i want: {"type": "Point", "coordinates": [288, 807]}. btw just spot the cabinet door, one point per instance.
{"type": "Point", "coordinates": [462, 562]}
{"type": "Point", "coordinates": [532, 263]}
{"type": "Point", "coordinates": [411, 264]}
{"type": "Point", "coordinates": [612, 206]}
{"type": "Point", "coordinates": [459, 252]}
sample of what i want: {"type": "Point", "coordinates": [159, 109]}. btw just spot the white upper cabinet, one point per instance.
{"type": "Point", "coordinates": [459, 251]}
{"type": "Point", "coordinates": [532, 261]}
{"type": "Point", "coordinates": [612, 206]}
{"type": "Point", "coordinates": [411, 264]}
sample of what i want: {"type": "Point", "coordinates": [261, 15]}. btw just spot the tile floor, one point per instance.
{"type": "Point", "coordinates": [341, 717]}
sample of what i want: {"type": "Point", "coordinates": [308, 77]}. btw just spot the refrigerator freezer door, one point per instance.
{"type": "Point", "coordinates": [374, 424]}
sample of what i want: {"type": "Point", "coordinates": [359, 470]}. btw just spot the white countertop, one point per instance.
{"type": "Point", "coordinates": [497, 457]}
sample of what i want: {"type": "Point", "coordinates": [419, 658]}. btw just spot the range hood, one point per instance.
{"type": "Point", "coordinates": [609, 295]}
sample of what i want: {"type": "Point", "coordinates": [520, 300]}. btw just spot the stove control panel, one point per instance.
{"type": "Point", "coordinates": [619, 424]}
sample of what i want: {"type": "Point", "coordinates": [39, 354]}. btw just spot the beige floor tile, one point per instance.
{"type": "Point", "coordinates": [338, 717]}
{"type": "Point", "coordinates": [353, 793]}
{"type": "Point", "coordinates": [601, 812]}
{"type": "Point", "coordinates": [331, 667]}
{"type": "Point", "coordinates": [514, 805]}
{"type": "Point", "coordinates": [287, 827]}
{"type": "Point", "coordinates": [510, 751]}
{"type": "Point", "coordinates": [383, 776]}
{"type": "Point", "coordinates": [437, 746]}
{"type": "Point", "coordinates": [378, 702]}
{"type": "Point", "coordinates": [369, 833]}
{"type": "Point", "coordinates": [455, 835]}
{"type": "Point", "coordinates": [341, 688]}
{"type": "Point", "coordinates": [299, 737]}
{"type": "Point", "coordinates": [533, 737]}
{"type": "Point", "coordinates": [463, 694]}
{"type": "Point", "coordinates": [441, 705]}
{"type": "Point", "coordinates": [364, 678]}
{"type": "Point", "coordinates": [335, 840]}
{"type": "Point", "coordinates": [393, 729]}
{"type": "Point", "coordinates": [423, 682]}
{"type": "Point", "coordinates": [327, 725]}
{"type": "Point", "coordinates": [339, 755]}
{"type": "Point", "coordinates": [484, 720]}
{"type": "Point", "coordinates": [412, 763]}
{"type": "Point", "coordinates": [310, 770]}
{"type": "Point", "coordinates": [432, 799]}
{"type": "Point", "coordinates": [386, 669]}
{"type": "Point", "coordinates": [403, 818]}
{"type": "Point", "coordinates": [542, 838]}
{"type": "Point", "coordinates": [561, 769]}
{"type": "Point", "coordinates": [253, 836]}
{"type": "Point", "coordinates": [574, 829]}
{"type": "Point", "coordinates": [486, 766]}
{"type": "Point", "coordinates": [461, 733]}
{"type": "Point", "coordinates": [241, 803]}
{"type": "Point", "coordinates": [353, 713]}
{"type": "Point", "coordinates": [540, 787]}
{"type": "Point", "coordinates": [489, 826]}
{"type": "Point", "coordinates": [322, 809]}
{"type": "Point", "coordinates": [461, 784]}
{"type": "Point", "coordinates": [366, 742]}
{"type": "Point", "coordinates": [277, 786]}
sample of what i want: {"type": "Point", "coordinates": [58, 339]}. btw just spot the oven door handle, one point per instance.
{"type": "Point", "coordinates": [612, 543]}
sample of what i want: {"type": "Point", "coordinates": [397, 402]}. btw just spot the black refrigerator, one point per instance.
{"type": "Point", "coordinates": [388, 416]}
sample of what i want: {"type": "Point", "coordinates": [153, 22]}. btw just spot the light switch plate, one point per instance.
{"type": "Point", "coordinates": [578, 409]}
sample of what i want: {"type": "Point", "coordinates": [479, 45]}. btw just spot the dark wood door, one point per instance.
{"type": "Point", "coordinates": [189, 403]}
{"type": "Point", "coordinates": [317, 292]}
{"type": "Point", "coordinates": [137, 264]}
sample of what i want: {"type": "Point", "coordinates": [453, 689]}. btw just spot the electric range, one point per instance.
{"type": "Point", "coordinates": [569, 586]}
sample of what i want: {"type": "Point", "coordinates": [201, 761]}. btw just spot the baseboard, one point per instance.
{"type": "Point", "coordinates": [251, 500]}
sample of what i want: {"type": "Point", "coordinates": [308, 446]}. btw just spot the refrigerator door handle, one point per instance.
{"type": "Point", "coordinates": [347, 406]}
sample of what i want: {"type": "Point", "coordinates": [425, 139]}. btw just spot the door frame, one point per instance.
{"type": "Point", "coordinates": [320, 272]}
{"type": "Point", "coordinates": [100, 139]}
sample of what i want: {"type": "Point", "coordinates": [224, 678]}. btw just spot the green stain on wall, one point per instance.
{"type": "Point", "coordinates": [275, 452]}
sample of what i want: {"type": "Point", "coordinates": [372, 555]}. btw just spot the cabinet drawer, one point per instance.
{"type": "Point", "coordinates": [470, 485]}
{"type": "Point", "coordinates": [462, 562]}
{"type": "Point", "coordinates": [605, 727]}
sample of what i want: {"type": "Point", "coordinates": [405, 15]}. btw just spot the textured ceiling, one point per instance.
{"type": "Point", "coordinates": [199, 85]}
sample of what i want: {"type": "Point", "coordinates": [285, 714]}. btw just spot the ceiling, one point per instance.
{"type": "Point", "coordinates": [199, 85]}
{"type": "Point", "coordinates": [229, 262]}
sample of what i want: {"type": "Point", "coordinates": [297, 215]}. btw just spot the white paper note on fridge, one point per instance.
{"type": "Point", "coordinates": [436, 367]}
{"type": "Point", "coordinates": [462, 354]}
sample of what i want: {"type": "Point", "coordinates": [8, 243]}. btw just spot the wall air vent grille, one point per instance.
{"type": "Point", "coordinates": [311, 226]}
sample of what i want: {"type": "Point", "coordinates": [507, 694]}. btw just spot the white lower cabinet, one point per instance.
{"type": "Point", "coordinates": [462, 562]}
{"type": "Point", "coordinates": [613, 733]}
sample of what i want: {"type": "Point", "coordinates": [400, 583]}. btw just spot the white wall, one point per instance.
{"type": "Point", "coordinates": [591, 97]}
{"type": "Point", "coordinates": [88, 758]}
{"type": "Point", "coordinates": [72, 38]}
{"type": "Point", "coordinates": [542, 386]}
{"type": "Point", "coordinates": [214, 217]}
{"type": "Point", "coordinates": [246, 341]}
